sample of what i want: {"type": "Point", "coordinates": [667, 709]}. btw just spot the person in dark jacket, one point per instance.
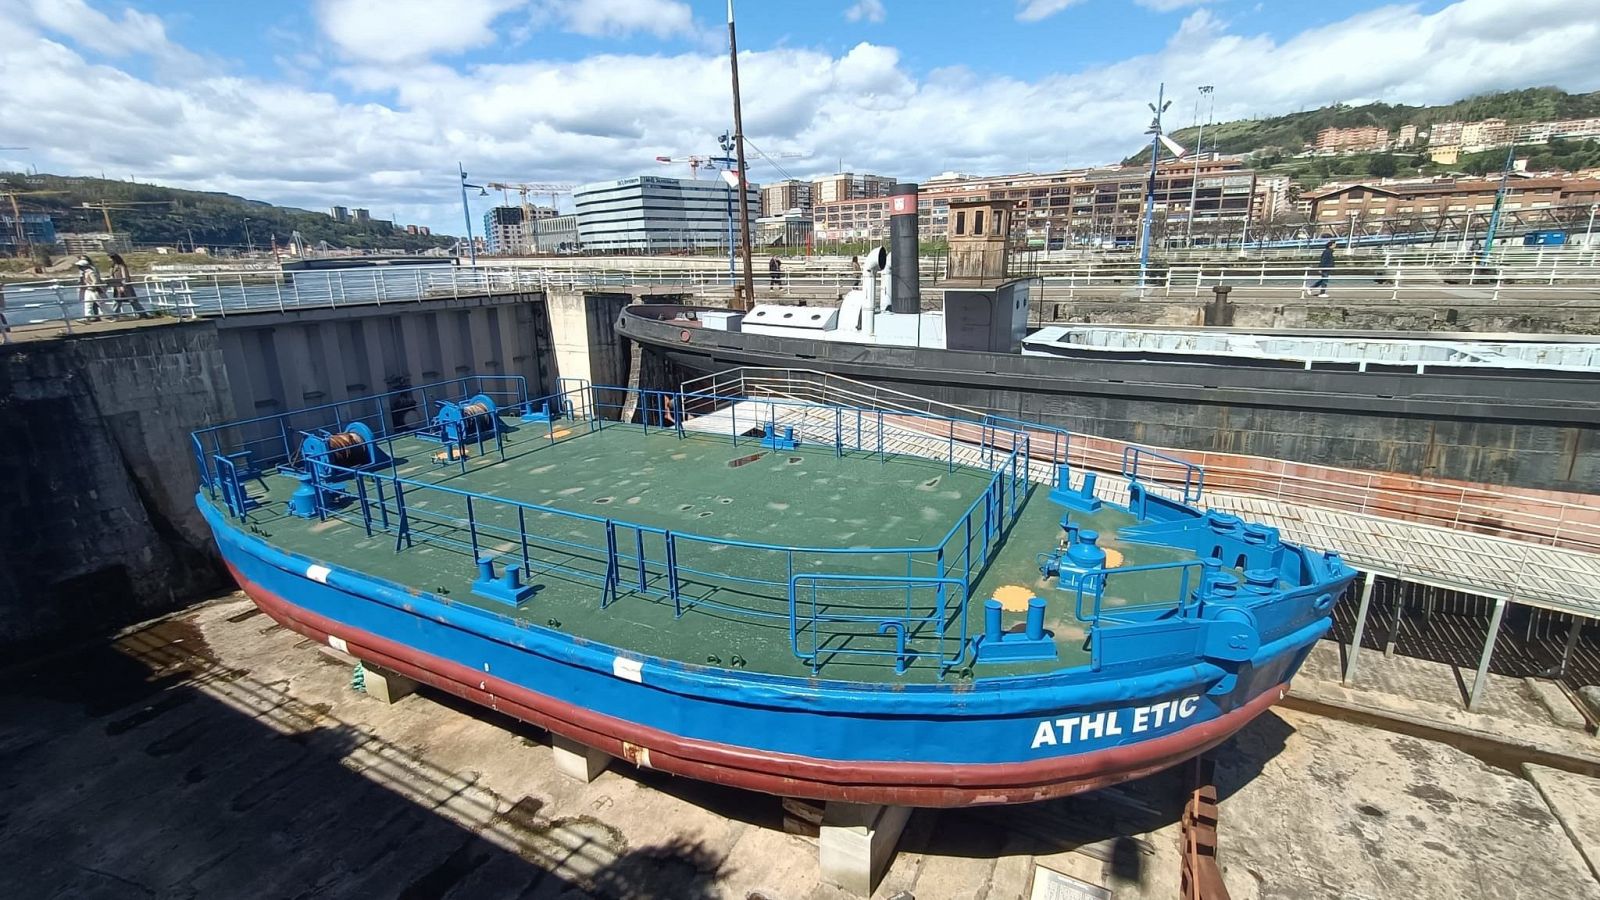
{"type": "Point", "coordinates": [1324, 270]}
{"type": "Point", "coordinates": [122, 288]}
{"type": "Point", "coordinates": [775, 272]}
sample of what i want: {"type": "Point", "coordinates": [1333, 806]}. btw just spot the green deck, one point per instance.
{"type": "Point", "coordinates": [704, 485]}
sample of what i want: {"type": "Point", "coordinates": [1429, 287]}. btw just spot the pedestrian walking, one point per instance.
{"type": "Point", "coordinates": [122, 288]}
{"type": "Point", "coordinates": [775, 272]}
{"type": "Point", "coordinates": [91, 290]}
{"type": "Point", "coordinates": [1324, 270]}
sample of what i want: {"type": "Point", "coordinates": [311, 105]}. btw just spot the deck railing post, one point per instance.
{"type": "Point", "coordinates": [522, 538]}
{"type": "Point", "coordinates": [613, 573]}
{"type": "Point", "coordinates": [366, 512]}
{"type": "Point", "coordinates": [638, 543]}
{"type": "Point", "coordinates": [672, 574]}
{"type": "Point", "coordinates": [472, 528]}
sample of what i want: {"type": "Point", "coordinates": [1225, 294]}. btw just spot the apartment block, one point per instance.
{"type": "Point", "coordinates": [780, 197]}
{"type": "Point", "coordinates": [1101, 206]}
{"type": "Point", "coordinates": [1352, 140]}
{"type": "Point", "coordinates": [850, 186]}
{"type": "Point", "coordinates": [1447, 197]}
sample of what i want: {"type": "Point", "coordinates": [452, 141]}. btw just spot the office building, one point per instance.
{"type": "Point", "coordinates": [866, 219]}
{"type": "Point", "coordinates": [340, 213]}
{"type": "Point", "coordinates": [651, 213]}
{"type": "Point", "coordinates": [556, 234]}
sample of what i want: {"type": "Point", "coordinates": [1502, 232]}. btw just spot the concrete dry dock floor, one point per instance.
{"type": "Point", "coordinates": [215, 754]}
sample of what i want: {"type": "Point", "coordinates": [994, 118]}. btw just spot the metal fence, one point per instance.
{"type": "Point", "coordinates": [1519, 274]}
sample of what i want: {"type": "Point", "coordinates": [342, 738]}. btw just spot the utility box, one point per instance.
{"type": "Point", "coordinates": [988, 319]}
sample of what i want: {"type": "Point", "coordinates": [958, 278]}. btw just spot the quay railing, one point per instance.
{"type": "Point", "coordinates": [816, 593]}
{"type": "Point", "coordinates": [222, 294]}
{"type": "Point", "coordinates": [1515, 274]}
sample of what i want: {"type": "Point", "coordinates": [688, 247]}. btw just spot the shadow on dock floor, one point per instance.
{"type": "Point", "coordinates": [144, 768]}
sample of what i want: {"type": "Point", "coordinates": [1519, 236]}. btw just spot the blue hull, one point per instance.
{"type": "Point", "coordinates": [1001, 740]}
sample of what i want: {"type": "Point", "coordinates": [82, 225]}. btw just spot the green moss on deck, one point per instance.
{"type": "Point", "coordinates": [704, 485]}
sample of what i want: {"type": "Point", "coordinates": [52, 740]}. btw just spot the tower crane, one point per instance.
{"type": "Point", "coordinates": [523, 190]}
{"type": "Point", "coordinates": [696, 163]}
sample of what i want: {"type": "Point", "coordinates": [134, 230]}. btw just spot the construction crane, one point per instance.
{"type": "Point", "coordinates": [696, 163]}
{"type": "Point", "coordinates": [721, 163]}
{"type": "Point", "coordinates": [23, 243]}
{"type": "Point", "coordinates": [105, 207]}
{"type": "Point", "coordinates": [523, 190]}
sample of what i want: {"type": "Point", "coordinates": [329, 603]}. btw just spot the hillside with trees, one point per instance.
{"type": "Point", "coordinates": [155, 215]}
{"type": "Point", "coordinates": [1286, 135]}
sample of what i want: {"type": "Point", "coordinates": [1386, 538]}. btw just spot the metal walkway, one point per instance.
{"type": "Point", "coordinates": [1503, 569]}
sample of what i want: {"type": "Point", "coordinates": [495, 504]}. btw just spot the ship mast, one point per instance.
{"type": "Point", "coordinates": [740, 303]}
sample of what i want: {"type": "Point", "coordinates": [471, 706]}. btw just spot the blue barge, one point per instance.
{"type": "Point", "coordinates": [806, 600]}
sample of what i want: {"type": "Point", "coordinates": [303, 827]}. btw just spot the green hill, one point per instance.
{"type": "Point", "coordinates": [1288, 134]}
{"type": "Point", "coordinates": [156, 215]}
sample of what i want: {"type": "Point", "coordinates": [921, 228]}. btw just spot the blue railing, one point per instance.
{"type": "Point", "coordinates": [1093, 586]}
{"type": "Point", "coordinates": [939, 617]}
{"type": "Point", "coordinates": [625, 558]}
{"type": "Point", "coordinates": [1193, 476]}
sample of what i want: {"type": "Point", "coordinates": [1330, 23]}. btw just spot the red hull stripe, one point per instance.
{"type": "Point", "coordinates": [783, 774]}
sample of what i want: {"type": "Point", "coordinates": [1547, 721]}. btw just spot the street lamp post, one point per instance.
{"type": "Point", "coordinates": [1588, 233]}
{"type": "Point", "coordinates": [1159, 107]}
{"type": "Point", "coordinates": [466, 214]}
{"type": "Point", "coordinates": [1206, 90]}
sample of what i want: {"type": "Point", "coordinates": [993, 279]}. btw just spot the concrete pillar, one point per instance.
{"type": "Point", "coordinates": [1361, 625]}
{"type": "Point", "coordinates": [385, 685]}
{"type": "Point", "coordinates": [576, 760]}
{"type": "Point", "coordinates": [856, 843]}
{"type": "Point", "coordinates": [1479, 682]}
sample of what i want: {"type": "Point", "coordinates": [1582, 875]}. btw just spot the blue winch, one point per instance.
{"type": "Point", "coordinates": [327, 458]}
{"type": "Point", "coordinates": [466, 420]}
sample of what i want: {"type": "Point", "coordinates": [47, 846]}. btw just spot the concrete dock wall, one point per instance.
{"type": "Point", "coordinates": [97, 521]}
{"type": "Point", "coordinates": [98, 527]}
{"type": "Point", "coordinates": [282, 361]}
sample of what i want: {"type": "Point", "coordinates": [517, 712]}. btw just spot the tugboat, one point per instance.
{"type": "Point", "coordinates": [807, 600]}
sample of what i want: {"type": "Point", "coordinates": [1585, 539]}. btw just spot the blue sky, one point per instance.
{"type": "Point", "coordinates": [371, 102]}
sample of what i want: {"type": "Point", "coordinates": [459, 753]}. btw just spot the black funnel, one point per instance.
{"type": "Point", "coordinates": [905, 294]}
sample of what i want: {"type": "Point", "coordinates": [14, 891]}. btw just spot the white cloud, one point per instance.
{"type": "Point", "coordinates": [609, 115]}
{"type": "Point", "coordinates": [869, 10]}
{"type": "Point", "coordinates": [133, 32]}
{"type": "Point", "coordinates": [1035, 10]}
{"type": "Point", "coordinates": [1169, 5]}
{"type": "Point", "coordinates": [391, 31]}
{"type": "Point", "coordinates": [620, 18]}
